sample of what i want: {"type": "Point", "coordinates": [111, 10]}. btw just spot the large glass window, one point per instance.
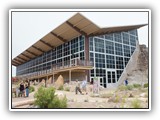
{"type": "Point", "coordinates": [66, 49]}
{"type": "Point", "coordinates": [109, 47]}
{"type": "Point", "coordinates": [99, 60]}
{"type": "Point", "coordinates": [126, 50]}
{"type": "Point", "coordinates": [58, 55]}
{"type": "Point", "coordinates": [133, 32]}
{"type": "Point", "coordinates": [99, 45]}
{"type": "Point", "coordinates": [126, 61]}
{"type": "Point", "coordinates": [132, 40]}
{"type": "Point", "coordinates": [66, 61]}
{"type": "Point", "coordinates": [74, 46]}
{"type": "Point", "coordinates": [48, 65]}
{"type": "Point", "coordinates": [109, 37]}
{"type": "Point", "coordinates": [91, 57]}
{"type": "Point", "coordinates": [48, 56]}
{"type": "Point", "coordinates": [92, 73]}
{"type": "Point", "coordinates": [54, 54]}
{"type": "Point", "coordinates": [59, 51]}
{"type": "Point", "coordinates": [132, 49]}
{"type": "Point", "coordinates": [100, 72]}
{"type": "Point", "coordinates": [91, 43]}
{"type": "Point", "coordinates": [81, 42]}
{"type": "Point", "coordinates": [119, 63]}
{"type": "Point", "coordinates": [125, 38]}
{"type": "Point", "coordinates": [110, 61]}
{"type": "Point", "coordinates": [118, 49]}
{"type": "Point", "coordinates": [82, 56]}
{"type": "Point", "coordinates": [117, 37]}
{"type": "Point", "coordinates": [119, 72]}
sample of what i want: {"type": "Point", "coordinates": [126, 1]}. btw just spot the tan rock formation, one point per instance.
{"type": "Point", "coordinates": [59, 82]}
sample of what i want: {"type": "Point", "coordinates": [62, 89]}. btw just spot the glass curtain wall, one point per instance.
{"type": "Point", "coordinates": [59, 56]}
{"type": "Point", "coordinates": [110, 54]}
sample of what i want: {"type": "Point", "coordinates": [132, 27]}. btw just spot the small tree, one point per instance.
{"type": "Point", "coordinates": [46, 98]}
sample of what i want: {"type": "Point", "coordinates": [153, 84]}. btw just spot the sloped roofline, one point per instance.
{"type": "Point", "coordinates": [75, 26]}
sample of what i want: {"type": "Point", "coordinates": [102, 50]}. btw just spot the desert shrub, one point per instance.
{"type": "Point", "coordinates": [105, 95]}
{"type": "Point", "coordinates": [46, 98]}
{"type": "Point", "coordinates": [143, 90]}
{"type": "Point", "coordinates": [129, 87]}
{"type": "Point", "coordinates": [136, 85]}
{"type": "Point", "coordinates": [31, 89]}
{"type": "Point", "coordinates": [122, 88]}
{"type": "Point", "coordinates": [67, 89]}
{"type": "Point", "coordinates": [117, 99]}
{"type": "Point", "coordinates": [60, 88]}
{"type": "Point", "coordinates": [123, 103]}
{"type": "Point", "coordinates": [145, 85]}
{"type": "Point", "coordinates": [58, 103]}
{"type": "Point", "coordinates": [136, 103]}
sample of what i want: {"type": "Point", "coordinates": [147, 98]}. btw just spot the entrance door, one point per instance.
{"type": "Point", "coordinates": [100, 79]}
{"type": "Point", "coordinates": [111, 76]}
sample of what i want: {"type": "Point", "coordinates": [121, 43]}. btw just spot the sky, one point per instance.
{"type": "Point", "coordinates": [29, 27]}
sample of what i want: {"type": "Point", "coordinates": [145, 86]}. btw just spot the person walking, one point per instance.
{"type": "Point", "coordinates": [77, 89]}
{"type": "Point", "coordinates": [84, 86]}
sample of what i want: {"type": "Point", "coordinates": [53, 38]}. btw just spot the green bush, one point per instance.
{"type": "Point", "coordinates": [145, 85]}
{"type": "Point", "coordinates": [117, 99]}
{"type": "Point", "coordinates": [60, 88]}
{"type": "Point", "coordinates": [136, 85]}
{"type": "Point", "coordinates": [31, 89]}
{"type": "Point", "coordinates": [122, 88]}
{"type": "Point", "coordinates": [129, 87]}
{"type": "Point", "coordinates": [46, 98]}
{"type": "Point", "coordinates": [136, 104]}
{"type": "Point", "coordinates": [67, 89]}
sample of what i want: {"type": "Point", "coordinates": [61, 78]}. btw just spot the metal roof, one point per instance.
{"type": "Point", "coordinates": [73, 27]}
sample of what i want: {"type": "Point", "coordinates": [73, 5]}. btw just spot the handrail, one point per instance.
{"type": "Point", "coordinates": [58, 66]}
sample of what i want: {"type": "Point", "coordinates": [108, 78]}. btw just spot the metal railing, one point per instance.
{"type": "Point", "coordinates": [57, 66]}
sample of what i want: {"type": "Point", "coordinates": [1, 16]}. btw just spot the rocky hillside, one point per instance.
{"type": "Point", "coordinates": [140, 73]}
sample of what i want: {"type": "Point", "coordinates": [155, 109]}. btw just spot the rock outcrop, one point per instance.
{"type": "Point", "coordinates": [140, 73]}
{"type": "Point", "coordinates": [59, 82]}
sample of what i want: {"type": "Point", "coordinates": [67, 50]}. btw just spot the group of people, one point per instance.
{"type": "Point", "coordinates": [81, 87]}
{"type": "Point", "coordinates": [24, 88]}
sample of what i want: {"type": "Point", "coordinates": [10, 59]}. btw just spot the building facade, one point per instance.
{"type": "Point", "coordinates": [102, 53]}
{"type": "Point", "coordinates": [110, 54]}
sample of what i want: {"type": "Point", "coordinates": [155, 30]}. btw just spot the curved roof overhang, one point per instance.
{"type": "Point", "coordinates": [73, 27]}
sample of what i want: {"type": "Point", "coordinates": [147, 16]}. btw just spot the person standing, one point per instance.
{"type": "Point", "coordinates": [27, 88]}
{"type": "Point", "coordinates": [22, 91]}
{"type": "Point", "coordinates": [78, 87]}
{"type": "Point", "coordinates": [126, 82]}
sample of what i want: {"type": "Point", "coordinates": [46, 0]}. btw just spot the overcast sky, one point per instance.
{"type": "Point", "coordinates": [29, 27]}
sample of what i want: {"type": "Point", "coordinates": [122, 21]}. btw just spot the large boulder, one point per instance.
{"type": "Point", "coordinates": [59, 82]}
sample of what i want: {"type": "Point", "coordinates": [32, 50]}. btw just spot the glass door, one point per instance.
{"type": "Point", "coordinates": [111, 76]}
{"type": "Point", "coordinates": [101, 81]}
